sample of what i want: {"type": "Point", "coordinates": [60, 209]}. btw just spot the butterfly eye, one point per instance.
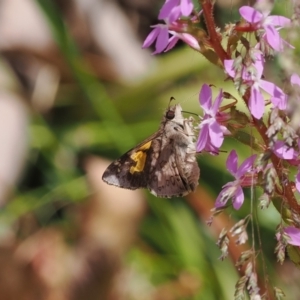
{"type": "Point", "coordinates": [170, 114]}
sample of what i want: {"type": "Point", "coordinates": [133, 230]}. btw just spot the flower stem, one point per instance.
{"type": "Point", "coordinates": [287, 192]}
{"type": "Point", "coordinates": [214, 39]}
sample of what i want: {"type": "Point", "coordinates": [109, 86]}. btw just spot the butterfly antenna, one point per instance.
{"type": "Point", "coordinates": [171, 99]}
{"type": "Point", "coordinates": [223, 151]}
{"type": "Point", "coordinates": [191, 113]}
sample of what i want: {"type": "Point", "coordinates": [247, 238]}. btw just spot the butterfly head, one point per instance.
{"type": "Point", "coordinates": [173, 112]}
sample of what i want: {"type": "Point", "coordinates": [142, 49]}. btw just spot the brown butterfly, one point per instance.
{"type": "Point", "coordinates": [165, 163]}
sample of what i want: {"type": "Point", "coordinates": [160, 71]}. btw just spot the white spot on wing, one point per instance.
{"type": "Point", "coordinates": [112, 179]}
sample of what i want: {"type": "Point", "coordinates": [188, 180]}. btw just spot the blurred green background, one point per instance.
{"type": "Point", "coordinates": [77, 90]}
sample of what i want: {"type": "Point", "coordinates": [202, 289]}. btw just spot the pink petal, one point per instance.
{"type": "Point", "coordinates": [283, 151]}
{"type": "Point", "coordinates": [286, 44]}
{"type": "Point", "coordinates": [256, 103]}
{"type": "Point", "coordinates": [294, 234]}
{"type": "Point", "coordinates": [228, 184]}
{"type": "Point", "coordinates": [217, 103]}
{"type": "Point", "coordinates": [211, 149]}
{"type": "Point", "coordinates": [297, 181]}
{"type": "Point", "coordinates": [250, 14]}
{"type": "Point", "coordinates": [273, 38]}
{"type": "Point", "coordinates": [295, 79]}
{"type": "Point", "coordinates": [162, 40]}
{"type": "Point", "coordinates": [166, 9]}
{"type": "Point", "coordinates": [175, 14]}
{"type": "Point", "coordinates": [205, 98]}
{"type": "Point", "coordinates": [278, 21]}
{"type": "Point", "coordinates": [228, 65]}
{"type": "Point", "coordinates": [216, 134]}
{"type": "Point", "coordinates": [190, 40]}
{"type": "Point", "coordinates": [151, 37]}
{"type": "Point", "coordinates": [238, 198]}
{"type": "Point", "coordinates": [172, 42]}
{"type": "Point", "coordinates": [259, 64]}
{"type": "Point", "coordinates": [186, 7]}
{"type": "Point", "coordinates": [202, 139]}
{"type": "Point", "coordinates": [246, 166]}
{"type": "Point", "coordinates": [232, 162]}
{"type": "Point", "coordinates": [281, 103]}
{"type": "Point", "coordinates": [272, 89]}
{"type": "Point", "coordinates": [219, 202]}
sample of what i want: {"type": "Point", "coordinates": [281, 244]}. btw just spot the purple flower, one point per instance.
{"type": "Point", "coordinates": [281, 101]}
{"type": "Point", "coordinates": [185, 37]}
{"type": "Point", "coordinates": [270, 24]}
{"type": "Point", "coordinates": [294, 235]}
{"type": "Point", "coordinates": [234, 189]}
{"type": "Point", "coordinates": [174, 9]}
{"type": "Point", "coordinates": [281, 150]}
{"type": "Point", "coordinates": [253, 79]}
{"type": "Point", "coordinates": [295, 79]}
{"type": "Point", "coordinates": [297, 181]}
{"type": "Point", "coordinates": [160, 33]}
{"type": "Point", "coordinates": [211, 134]}
{"type": "Point", "coordinates": [296, 162]}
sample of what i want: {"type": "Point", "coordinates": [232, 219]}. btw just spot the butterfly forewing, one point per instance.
{"type": "Point", "coordinates": [130, 170]}
{"type": "Point", "coordinates": [165, 163]}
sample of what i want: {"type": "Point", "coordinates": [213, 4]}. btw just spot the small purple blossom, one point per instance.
{"type": "Point", "coordinates": [294, 235]}
{"type": "Point", "coordinates": [281, 101]}
{"type": "Point", "coordinates": [253, 79]}
{"type": "Point", "coordinates": [161, 32]}
{"type": "Point", "coordinates": [297, 181]}
{"type": "Point", "coordinates": [270, 24]}
{"type": "Point", "coordinates": [281, 150]}
{"type": "Point", "coordinates": [172, 10]}
{"type": "Point", "coordinates": [234, 189]}
{"type": "Point", "coordinates": [211, 134]}
{"type": "Point", "coordinates": [295, 161]}
{"type": "Point", "coordinates": [295, 79]}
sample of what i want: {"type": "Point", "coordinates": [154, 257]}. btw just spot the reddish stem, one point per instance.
{"type": "Point", "coordinates": [214, 39]}
{"type": "Point", "coordinates": [287, 191]}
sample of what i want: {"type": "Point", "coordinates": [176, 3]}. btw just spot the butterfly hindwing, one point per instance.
{"type": "Point", "coordinates": [176, 172]}
{"type": "Point", "coordinates": [167, 180]}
